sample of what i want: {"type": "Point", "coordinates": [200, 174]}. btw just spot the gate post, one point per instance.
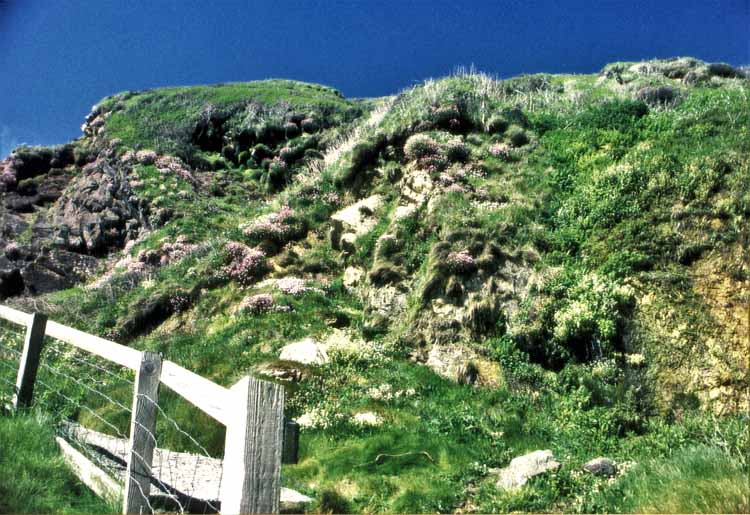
{"type": "Point", "coordinates": [252, 452]}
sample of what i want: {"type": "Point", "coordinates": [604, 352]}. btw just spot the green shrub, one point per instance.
{"type": "Point", "coordinates": [497, 124]}
{"type": "Point", "coordinates": [517, 136]}
{"type": "Point", "coordinates": [419, 146]}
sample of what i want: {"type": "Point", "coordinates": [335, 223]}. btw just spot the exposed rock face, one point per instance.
{"type": "Point", "coordinates": [601, 467]}
{"type": "Point", "coordinates": [98, 212]}
{"type": "Point", "coordinates": [54, 218]}
{"type": "Point", "coordinates": [523, 468]}
{"type": "Point", "coordinates": [353, 221]}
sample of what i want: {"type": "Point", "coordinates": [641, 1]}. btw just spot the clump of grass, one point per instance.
{"type": "Point", "coordinates": [694, 480]}
{"type": "Point", "coordinates": [33, 476]}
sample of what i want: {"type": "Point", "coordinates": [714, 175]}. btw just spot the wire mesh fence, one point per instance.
{"type": "Point", "coordinates": [11, 345]}
{"type": "Point", "coordinates": [92, 400]}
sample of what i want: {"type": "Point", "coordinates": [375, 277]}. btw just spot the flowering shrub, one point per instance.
{"type": "Point", "coordinates": [278, 227]}
{"type": "Point", "coordinates": [385, 392]}
{"type": "Point", "coordinates": [420, 146]}
{"type": "Point", "coordinates": [293, 286]}
{"type": "Point", "coordinates": [12, 250]}
{"type": "Point", "coordinates": [8, 179]}
{"type": "Point", "coordinates": [502, 151]}
{"type": "Point", "coordinates": [246, 264]}
{"type": "Point", "coordinates": [461, 262]}
{"type": "Point", "coordinates": [259, 303]}
{"type": "Point", "coordinates": [456, 150]}
{"type": "Point", "coordinates": [433, 164]}
{"type": "Point", "coordinates": [456, 188]}
{"type": "Point", "coordinates": [179, 302]}
{"type": "Point", "coordinates": [127, 157]}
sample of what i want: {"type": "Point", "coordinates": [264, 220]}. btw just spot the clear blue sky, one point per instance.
{"type": "Point", "coordinates": [58, 57]}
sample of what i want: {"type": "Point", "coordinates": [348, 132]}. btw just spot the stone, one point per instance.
{"type": "Point", "coordinates": [291, 501]}
{"type": "Point", "coordinates": [306, 351]}
{"type": "Point", "coordinates": [601, 467]}
{"type": "Point", "coordinates": [523, 468]}
{"type": "Point", "coordinates": [358, 218]}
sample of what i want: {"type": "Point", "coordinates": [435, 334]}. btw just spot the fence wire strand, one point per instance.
{"type": "Point", "coordinates": [179, 477]}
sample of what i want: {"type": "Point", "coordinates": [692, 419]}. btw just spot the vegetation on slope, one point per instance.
{"type": "Point", "coordinates": [494, 267]}
{"type": "Point", "coordinates": [33, 476]}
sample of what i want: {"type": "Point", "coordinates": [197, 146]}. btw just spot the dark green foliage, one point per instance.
{"type": "Point", "coordinates": [497, 125]}
{"type": "Point", "coordinates": [517, 136]}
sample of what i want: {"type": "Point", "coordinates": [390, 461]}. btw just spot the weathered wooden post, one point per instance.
{"type": "Point", "coordinates": [142, 435]}
{"type": "Point", "coordinates": [251, 481]}
{"type": "Point", "coordinates": [29, 364]}
{"type": "Point", "coordinates": [289, 455]}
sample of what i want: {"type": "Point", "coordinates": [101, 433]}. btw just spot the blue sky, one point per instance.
{"type": "Point", "coordinates": [58, 57]}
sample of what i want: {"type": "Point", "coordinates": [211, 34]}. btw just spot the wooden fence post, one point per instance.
{"type": "Point", "coordinates": [290, 453]}
{"type": "Point", "coordinates": [27, 367]}
{"type": "Point", "coordinates": [142, 435]}
{"type": "Point", "coordinates": [252, 453]}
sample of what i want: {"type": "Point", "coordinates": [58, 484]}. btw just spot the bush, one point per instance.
{"type": "Point", "coordinates": [246, 264]}
{"type": "Point", "coordinates": [517, 136]}
{"type": "Point", "coordinates": [291, 130]}
{"type": "Point", "coordinates": [419, 146]}
{"type": "Point", "coordinates": [309, 125]}
{"type": "Point", "coordinates": [497, 125]}
{"type": "Point", "coordinates": [723, 70]}
{"type": "Point", "coordinates": [663, 95]}
{"type": "Point", "coordinates": [456, 151]}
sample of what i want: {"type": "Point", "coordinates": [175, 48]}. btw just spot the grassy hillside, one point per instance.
{"type": "Point", "coordinates": [491, 266]}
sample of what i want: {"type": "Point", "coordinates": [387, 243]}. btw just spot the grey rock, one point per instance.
{"type": "Point", "coordinates": [601, 467]}
{"type": "Point", "coordinates": [523, 468]}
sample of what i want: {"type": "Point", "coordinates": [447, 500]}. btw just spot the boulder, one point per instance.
{"type": "Point", "coordinates": [601, 467]}
{"type": "Point", "coordinates": [306, 351]}
{"type": "Point", "coordinates": [523, 468]}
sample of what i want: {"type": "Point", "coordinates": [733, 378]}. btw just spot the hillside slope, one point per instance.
{"type": "Point", "coordinates": [469, 271]}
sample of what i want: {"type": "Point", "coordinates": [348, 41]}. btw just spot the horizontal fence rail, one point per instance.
{"type": "Point", "coordinates": [258, 439]}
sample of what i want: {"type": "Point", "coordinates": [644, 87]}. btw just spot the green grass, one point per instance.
{"type": "Point", "coordinates": [694, 480]}
{"type": "Point", "coordinates": [33, 476]}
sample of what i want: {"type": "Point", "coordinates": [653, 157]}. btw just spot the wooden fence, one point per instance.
{"type": "Point", "coordinates": [257, 437]}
